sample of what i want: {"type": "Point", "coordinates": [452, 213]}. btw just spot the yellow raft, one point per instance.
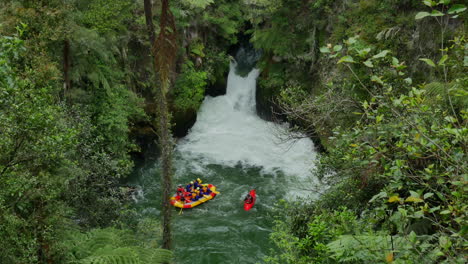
{"type": "Point", "coordinates": [178, 203]}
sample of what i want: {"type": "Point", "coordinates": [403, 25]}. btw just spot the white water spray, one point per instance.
{"type": "Point", "coordinates": [228, 132]}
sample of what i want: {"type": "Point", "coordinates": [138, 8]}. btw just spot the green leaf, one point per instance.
{"type": "Point", "coordinates": [442, 60]}
{"type": "Point", "coordinates": [422, 15]}
{"type": "Point", "coordinates": [324, 50]}
{"type": "Point", "coordinates": [437, 13]}
{"type": "Point", "coordinates": [381, 54]}
{"type": "Point", "coordinates": [377, 79]}
{"type": "Point", "coordinates": [429, 62]}
{"type": "Point", "coordinates": [429, 3]}
{"type": "Point", "coordinates": [369, 64]}
{"type": "Point", "coordinates": [450, 119]}
{"type": "Point", "coordinates": [337, 48]}
{"type": "Point", "coordinates": [444, 212]}
{"type": "Point", "coordinates": [444, 242]}
{"type": "Point", "coordinates": [455, 9]}
{"type": "Point", "coordinates": [409, 81]}
{"type": "Point", "coordinates": [444, 2]}
{"type": "Point", "coordinates": [378, 196]}
{"type": "Point", "coordinates": [364, 52]}
{"type": "Point", "coordinates": [394, 199]}
{"type": "Point", "coordinates": [427, 195]}
{"type": "Point", "coordinates": [413, 199]}
{"type": "Point", "coordinates": [418, 214]}
{"type": "Point", "coordinates": [351, 40]}
{"type": "Point", "coordinates": [365, 104]}
{"type": "Point", "coordinates": [412, 237]}
{"type": "Point", "coordinates": [434, 209]}
{"type": "Point", "coordinates": [346, 59]}
{"type": "Point", "coordinates": [415, 194]}
{"type": "Point", "coordinates": [379, 118]}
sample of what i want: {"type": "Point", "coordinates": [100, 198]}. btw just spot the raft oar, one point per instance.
{"type": "Point", "coordinates": [181, 209]}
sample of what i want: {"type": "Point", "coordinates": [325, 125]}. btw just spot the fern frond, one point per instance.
{"type": "Point", "coordinates": [440, 91]}
{"type": "Point", "coordinates": [113, 246]}
{"type": "Point", "coordinates": [374, 248]}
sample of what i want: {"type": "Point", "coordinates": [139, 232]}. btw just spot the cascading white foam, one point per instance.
{"type": "Point", "coordinates": [228, 131]}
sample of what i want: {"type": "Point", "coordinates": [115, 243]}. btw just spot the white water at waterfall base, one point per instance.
{"type": "Point", "coordinates": [228, 132]}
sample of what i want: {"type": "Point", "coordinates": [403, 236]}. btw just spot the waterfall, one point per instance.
{"type": "Point", "coordinates": [229, 132]}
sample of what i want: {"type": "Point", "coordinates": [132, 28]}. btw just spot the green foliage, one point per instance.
{"type": "Point", "coordinates": [288, 31]}
{"type": "Point", "coordinates": [399, 163]}
{"type": "Point", "coordinates": [189, 88]}
{"type": "Point", "coordinates": [310, 245]}
{"type": "Point", "coordinates": [33, 149]}
{"type": "Point", "coordinates": [198, 3]}
{"type": "Point", "coordinates": [222, 20]}
{"type": "Point", "coordinates": [104, 16]}
{"type": "Point", "coordinates": [62, 153]}
{"type": "Point", "coordinates": [225, 19]}
{"type": "Point", "coordinates": [110, 245]}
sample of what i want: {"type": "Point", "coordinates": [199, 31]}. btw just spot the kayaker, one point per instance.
{"type": "Point", "coordinates": [248, 199]}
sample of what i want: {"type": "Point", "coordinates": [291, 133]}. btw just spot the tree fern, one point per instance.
{"type": "Point", "coordinates": [372, 248]}
{"type": "Point", "coordinates": [113, 246]}
{"type": "Point", "coordinates": [458, 95]}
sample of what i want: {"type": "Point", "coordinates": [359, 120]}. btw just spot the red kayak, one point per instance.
{"type": "Point", "coordinates": [250, 201]}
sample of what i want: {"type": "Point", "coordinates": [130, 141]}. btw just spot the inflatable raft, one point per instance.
{"type": "Point", "coordinates": [205, 198]}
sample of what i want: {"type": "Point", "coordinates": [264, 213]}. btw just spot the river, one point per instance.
{"type": "Point", "coordinates": [232, 148]}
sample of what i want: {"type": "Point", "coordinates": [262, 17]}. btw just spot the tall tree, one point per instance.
{"type": "Point", "coordinates": [164, 52]}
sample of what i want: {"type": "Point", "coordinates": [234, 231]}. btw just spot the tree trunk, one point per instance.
{"type": "Point", "coordinates": [149, 21]}
{"type": "Point", "coordinates": [163, 51]}
{"type": "Point", "coordinates": [66, 66]}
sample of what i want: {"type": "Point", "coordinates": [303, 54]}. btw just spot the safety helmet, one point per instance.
{"type": "Point", "coordinates": [191, 182]}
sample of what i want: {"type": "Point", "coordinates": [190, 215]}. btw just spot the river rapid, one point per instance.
{"type": "Point", "coordinates": [232, 148]}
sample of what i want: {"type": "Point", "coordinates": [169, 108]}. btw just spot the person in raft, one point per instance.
{"type": "Point", "coordinates": [188, 197]}
{"type": "Point", "coordinates": [205, 190]}
{"type": "Point", "coordinates": [189, 187]}
{"type": "Point", "coordinates": [194, 197]}
{"type": "Point", "coordinates": [197, 192]}
{"type": "Point", "coordinates": [197, 183]}
{"type": "Point", "coordinates": [180, 191]}
{"type": "Point", "coordinates": [248, 199]}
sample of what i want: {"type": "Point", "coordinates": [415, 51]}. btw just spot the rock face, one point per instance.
{"type": "Point", "coordinates": [246, 58]}
{"type": "Point", "coordinates": [219, 87]}
{"type": "Point", "coordinates": [183, 121]}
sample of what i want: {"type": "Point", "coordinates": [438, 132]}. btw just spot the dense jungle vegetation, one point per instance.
{"type": "Point", "coordinates": [381, 87]}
